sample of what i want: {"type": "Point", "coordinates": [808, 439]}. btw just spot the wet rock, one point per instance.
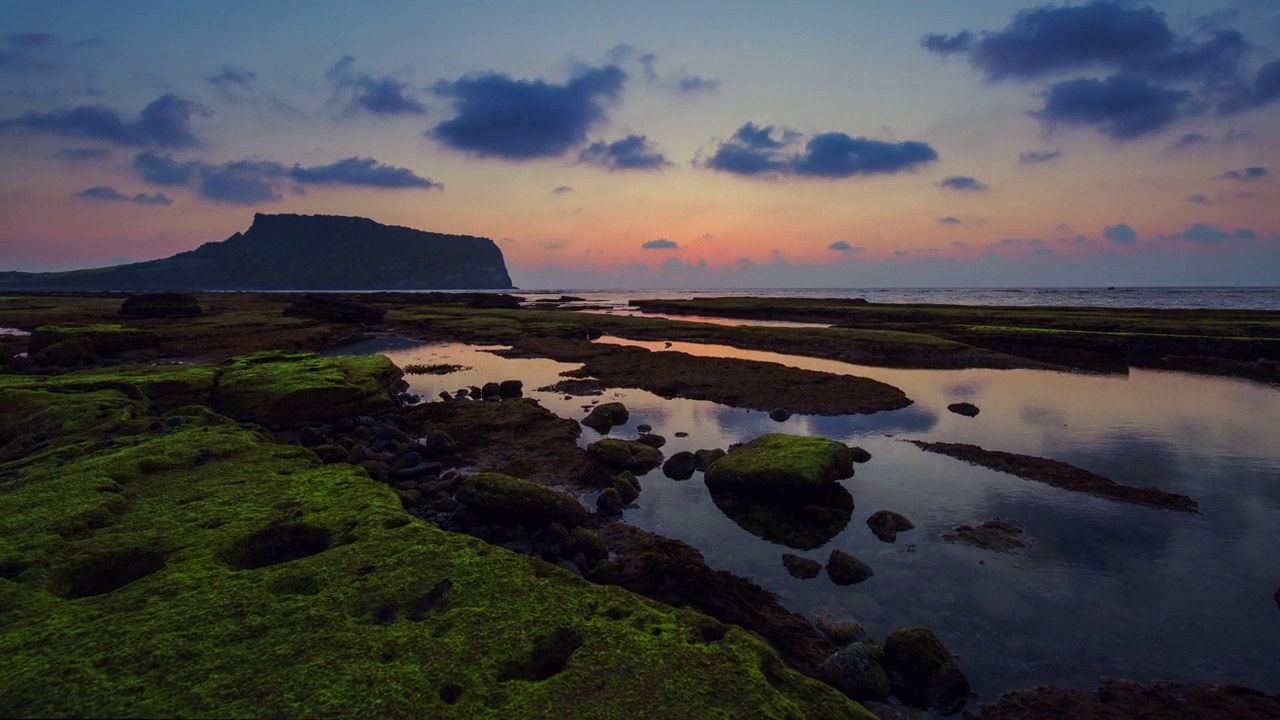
{"type": "Point", "coordinates": [507, 497]}
{"type": "Point", "coordinates": [624, 455]}
{"type": "Point", "coordinates": [845, 569]}
{"type": "Point", "coordinates": [840, 632]}
{"type": "Point", "coordinates": [704, 458]}
{"type": "Point", "coordinates": [491, 390]}
{"type": "Point", "coordinates": [681, 434]}
{"type": "Point", "coordinates": [610, 502]}
{"type": "Point", "coordinates": [779, 414]}
{"type": "Point", "coordinates": [995, 534]}
{"type": "Point", "coordinates": [153, 305]}
{"type": "Point", "coordinates": [680, 466]}
{"type": "Point", "coordinates": [311, 437]}
{"type": "Point", "coordinates": [925, 672]}
{"type": "Point", "coordinates": [1120, 699]}
{"type": "Point", "coordinates": [859, 455]}
{"type": "Point", "coordinates": [780, 460]}
{"type": "Point", "coordinates": [445, 396]}
{"type": "Point", "coordinates": [325, 309]}
{"type": "Point", "coordinates": [511, 389]}
{"type": "Point", "coordinates": [801, 567]}
{"type": "Point", "coordinates": [414, 472]}
{"type": "Point", "coordinates": [606, 415]}
{"type": "Point", "coordinates": [176, 421]}
{"type": "Point", "coordinates": [439, 441]}
{"type": "Point", "coordinates": [964, 408]}
{"type": "Point", "coordinates": [642, 428]}
{"type": "Point", "coordinates": [886, 525]}
{"type": "Point", "coordinates": [627, 485]}
{"type": "Point", "coordinates": [855, 670]}
{"type": "Point", "coordinates": [654, 441]}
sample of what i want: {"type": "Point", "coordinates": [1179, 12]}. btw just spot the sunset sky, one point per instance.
{"type": "Point", "coordinates": [663, 144]}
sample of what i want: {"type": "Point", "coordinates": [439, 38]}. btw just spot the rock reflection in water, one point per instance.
{"type": "Point", "coordinates": [803, 520]}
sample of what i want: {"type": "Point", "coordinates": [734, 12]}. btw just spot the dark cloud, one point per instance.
{"type": "Point", "coordinates": [841, 246]}
{"type": "Point", "coordinates": [233, 77]}
{"type": "Point", "coordinates": [83, 154]}
{"type": "Point", "coordinates": [660, 244]}
{"type": "Point", "coordinates": [692, 85]}
{"type": "Point", "coordinates": [1198, 199]}
{"type": "Point", "coordinates": [355, 92]}
{"type": "Point", "coordinates": [949, 220]}
{"type": "Point", "coordinates": [562, 190]}
{"type": "Point", "coordinates": [757, 150]}
{"type": "Point", "coordinates": [501, 117]}
{"type": "Point", "coordinates": [680, 82]}
{"type": "Point", "coordinates": [1210, 233]}
{"type": "Point", "coordinates": [1035, 157]}
{"type": "Point", "coordinates": [362, 172]}
{"type": "Point", "coordinates": [38, 52]}
{"type": "Point", "coordinates": [1048, 40]}
{"type": "Point", "coordinates": [103, 193]}
{"type": "Point", "coordinates": [634, 152]}
{"type": "Point", "coordinates": [252, 181]}
{"type": "Point", "coordinates": [166, 122]}
{"type": "Point", "coordinates": [1122, 234]}
{"type": "Point", "coordinates": [1264, 89]}
{"type": "Point", "coordinates": [963, 183]}
{"type": "Point", "coordinates": [1122, 107]}
{"type": "Point", "coordinates": [1248, 174]}
{"type": "Point", "coordinates": [1190, 140]}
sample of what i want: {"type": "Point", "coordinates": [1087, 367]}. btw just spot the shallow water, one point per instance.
{"type": "Point", "coordinates": [1108, 590]}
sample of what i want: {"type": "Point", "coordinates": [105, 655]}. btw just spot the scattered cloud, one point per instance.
{"type": "Point", "coordinates": [680, 82]}
{"type": "Point", "coordinates": [1198, 199]}
{"type": "Point", "coordinates": [1264, 89]}
{"type": "Point", "coordinates": [949, 220]}
{"type": "Point", "coordinates": [1248, 174]}
{"type": "Point", "coordinates": [901, 253]}
{"type": "Point", "coordinates": [104, 193]}
{"type": "Point", "coordinates": [963, 183]}
{"type": "Point", "coordinates": [1122, 107]}
{"type": "Point", "coordinates": [233, 78]}
{"type": "Point", "coordinates": [660, 244]}
{"type": "Point", "coordinates": [38, 52]}
{"type": "Point", "coordinates": [766, 150]}
{"type": "Point", "coordinates": [1190, 140]}
{"type": "Point", "coordinates": [355, 92]}
{"type": "Point", "coordinates": [1122, 233]}
{"type": "Point", "coordinates": [1035, 157]}
{"type": "Point", "coordinates": [166, 122]}
{"type": "Point", "coordinates": [501, 117]}
{"type": "Point", "coordinates": [693, 85]}
{"type": "Point", "coordinates": [364, 172]}
{"type": "Point", "coordinates": [634, 152]}
{"type": "Point", "coordinates": [842, 246]}
{"type": "Point", "coordinates": [82, 154]}
{"type": "Point", "coordinates": [562, 190]}
{"type": "Point", "coordinates": [1210, 233]}
{"type": "Point", "coordinates": [1043, 252]}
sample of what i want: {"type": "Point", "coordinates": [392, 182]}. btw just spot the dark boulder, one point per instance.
{"type": "Point", "coordinates": [925, 673]}
{"type": "Point", "coordinates": [704, 458]}
{"type": "Point", "coordinates": [680, 466]}
{"type": "Point", "coordinates": [494, 301]}
{"type": "Point", "coordinates": [624, 455]}
{"type": "Point", "coordinates": [511, 498]}
{"type": "Point", "coordinates": [886, 525]}
{"type": "Point", "coordinates": [856, 671]}
{"type": "Point", "coordinates": [654, 441]}
{"type": "Point", "coordinates": [153, 305]}
{"type": "Point", "coordinates": [326, 309]}
{"type": "Point", "coordinates": [964, 408]}
{"type": "Point", "coordinates": [845, 569]}
{"type": "Point", "coordinates": [491, 390]}
{"type": "Point", "coordinates": [602, 417]}
{"type": "Point", "coordinates": [859, 455]}
{"type": "Point", "coordinates": [779, 414]}
{"type": "Point", "coordinates": [840, 632]}
{"type": "Point", "coordinates": [627, 485]}
{"type": "Point", "coordinates": [69, 353]}
{"type": "Point", "coordinates": [610, 502]}
{"type": "Point", "coordinates": [801, 567]}
{"type": "Point", "coordinates": [511, 389]}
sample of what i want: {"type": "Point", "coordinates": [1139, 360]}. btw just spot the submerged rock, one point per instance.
{"type": "Point", "coordinates": [886, 525]}
{"type": "Point", "coordinates": [855, 670]}
{"type": "Point", "coordinates": [995, 534]}
{"type": "Point", "coordinates": [845, 569]}
{"type": "Point", "coordinates": [964, 408]}
{"type": "Point", "coordinates": [801, 567]}
{"type": "Point", "coordinates": [926, 673]}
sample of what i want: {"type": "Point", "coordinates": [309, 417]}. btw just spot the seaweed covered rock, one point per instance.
{"type": "Point", "coordinates": [801, 567]}
{"type": "Point", "coordinates": [510, 498]}
{"type": "Point", "coordinates": [605, 416]}
{"type": "Point", "coordinates": [997, 534]}
{"type": "Point", "coordinates": [159, 305]}
{"type": "Point", "coordinates": [297, 388]}
{"type": "Point", "coordinates": [625, 455]}
{"type": "Point", "coordinates": [780, 460]}
{"type": "Point", "coordinates": [705, 457]}
{"type": "Point", "coordinates": [108, 339]}
{"type": "Point", "coordinates": [845, 569]}
{"type": "Point", "coordinates": [72, 352]}
{"type": "Point", "coordinates": [886, 524]}
{"type": "Point", "coordinates": [327, 309]}
{"type": "Point", "coordinates": [928, 674]}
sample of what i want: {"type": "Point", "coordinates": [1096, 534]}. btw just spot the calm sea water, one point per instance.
{"type": "Point", "coordinates": [1220, 298]}
{"type": "Point", "coordinates": [1108, 590]}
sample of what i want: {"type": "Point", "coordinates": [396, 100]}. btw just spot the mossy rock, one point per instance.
{"type": "Point", "coordinates": [153, 305]}
{"type": "Point", "coordinates": [587, 542]}
{"type": "Point", "coordinates": [299, 388]}
{"type": "Point", "coordinates": [205, 571]}
{"type": "Point", "coordinates": [108, 339]}
{"type": "Point", "coordinates": [915, 654]}
{"type": "Point", "coordinates": [72, 352]}
{"type": "Point", "coordinates": [780, 460]}
{"type": "Point", "coordinates": [625, 455]}
{"type": "Point", "coordinates": [511, 498]}
{"type": "Point", "coordinates": [607, 415]}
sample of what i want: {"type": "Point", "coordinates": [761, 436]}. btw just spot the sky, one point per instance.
{"type": "Point", "coordinates": [709, 144]}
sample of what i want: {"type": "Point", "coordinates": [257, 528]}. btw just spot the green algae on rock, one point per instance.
{"type": "Point", "coordinates": [290, 388]}
{"type": "Point", "coordinates": [203, 570]}
{"type": "Point", "coordinates": [778, 460]}
{"type": "Point", "coordinates": [511, 498]}
{"type": "Point", "coordinates": [625, 454]}
{"type": "Point", "coordinates": [107, 338]}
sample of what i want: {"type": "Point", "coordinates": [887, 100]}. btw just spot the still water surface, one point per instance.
{"type": "Point", "coordinates": [1108, 590]}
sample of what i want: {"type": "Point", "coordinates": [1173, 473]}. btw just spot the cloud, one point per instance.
{"type": "Point", "coordinates": [1035, 157]}
{"type": "Point", "coordinates": [362, 172]}
{"type": "Point", "coordinates": [355, 92]}
{"type": "Point", "coordinates": [1121, 233]}
{"type": "Point", "coordinates": [82, 154]}
{"type": "Point", "coordinates": [103, 193]}
{"type": "Point", "coordinates": [1122, 107]}
{"type": "Point", "coordinates": [1043, 252]}
{"type": "Point", "coordinates": [166, 122]}
{"type": "Point", "coordinates": [1210, 233]}
{"type": "Point", "coordinates": [510, 119]}
{"type": "Point", "coordinates": [1190, 140]}
{"type": "Point", "coordinates": [562, 190]}
{"type": "Point", "coordinates": [1248, 174]}
{"type": "Point", "coordinates": [901, 253]}
{"type": "Point", "coordinates": [693, 85]}
{"type": "Point", "coordinates": [38, 52]}
{"type": "Point", "coordinates": [842, 246]}
{"type": "Point", "coordinates": [660, 244]}
{"type": "Point", "coordinates": [1047, 40]}
{"type": "Point", "coordinates": [963, 183]}
{"type": "Point", "coordinates": [634, 152]}
{"type": "Point", "coordinates": [1198, 199]}
{"type": "Point", "coordinates": [254, 181]}
{"type": "Point", "coordinates": [681, 82]}
{"type": "Point", "coordinates": [233, 77]}
{"type": "Point", "coordinates": [1263, 90]}
{"type": "Point", "coordinates": [949, 220]}
{"type": "Point", "coordinates": [766, 150]}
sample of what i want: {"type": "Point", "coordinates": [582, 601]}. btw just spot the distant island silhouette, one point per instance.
{"type": "Point", "coordinates": [301, 252]}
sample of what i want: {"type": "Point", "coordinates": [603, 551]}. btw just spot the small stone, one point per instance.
{"type": "Point", "coordinates": [801, 567]}
{"type": "Point", "coordinates": [610, 502]}
{"type": "Point", "coordinates": [654, 441]}
{"type": "Point", "coordinates": [644, 428]}
{"type": "Point", "coordinates": [964, 408]}
{"type": "Point", "coordinates": [845, 569]}
{"type": "Point", "coordinates": [779, 414]}
{"type": "Point", "coordinates": [682, 434]}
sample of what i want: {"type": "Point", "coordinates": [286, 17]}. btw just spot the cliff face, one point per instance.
{"type": "Point", "coordinates": [302, 252]}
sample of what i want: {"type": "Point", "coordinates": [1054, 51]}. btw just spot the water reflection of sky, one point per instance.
{"type": "Point", "coordinates": [1108, 590]}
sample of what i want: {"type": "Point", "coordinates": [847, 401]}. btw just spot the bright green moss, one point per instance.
{"type": "Point", "coordinates": [287, 388]}
{"type": "Point", "coordinates": [778, 460]}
